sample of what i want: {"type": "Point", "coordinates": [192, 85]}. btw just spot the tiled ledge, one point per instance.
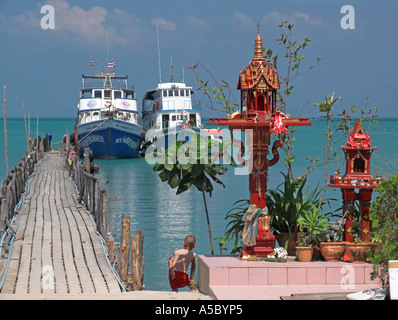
{"type": "Point", "coordinates": [231, 271]}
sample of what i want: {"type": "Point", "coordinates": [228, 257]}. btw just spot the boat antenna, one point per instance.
{"type": "Point", "coordinates": [157, 38]}
{"type": "Point", "coordinates": [172, 73]}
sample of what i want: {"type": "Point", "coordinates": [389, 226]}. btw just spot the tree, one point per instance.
{"type": "Point", "coordinates": [186, 164]}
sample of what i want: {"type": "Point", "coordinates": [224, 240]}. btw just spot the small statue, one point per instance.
{"type": "Point", "coordinates": [251, 218]}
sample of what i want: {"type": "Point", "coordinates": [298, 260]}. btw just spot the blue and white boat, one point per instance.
{"type": "Point", "coordinates": [108, 120]}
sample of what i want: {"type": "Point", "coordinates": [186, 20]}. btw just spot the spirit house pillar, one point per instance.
{"type": "Point", "coordinates": [259, 117]}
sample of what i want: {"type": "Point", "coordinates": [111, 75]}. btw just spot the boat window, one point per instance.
{"type": "Point", "coordinates": [176, 93]}
{"type": "Point", "coordinates": [129, 95]}
{"type": "Point", "coordinates": [187, 93]}
{"type": "Point", "coordinates": [98, 94]}
{"type": "Point", "coordinates": [170, 93]}
{"type": "Point", "coordinates": [165, 121]}
{"type": "Point", "coordinates": [107, 93]}
{"type": "Point", "coordinates": [117, 94]}
{"type": "Point", "coordinates": [181, 93]}
{"type": "Point", "coordinates": [164, 93]}
{"type": "Point", "coordinates": [173, 118]}
{"type": "Point", "coordinates": [95, 113]}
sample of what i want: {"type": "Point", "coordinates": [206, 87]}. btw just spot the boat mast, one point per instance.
{"type": "Point", "coordinates": [107, 81]}
{"type": "Point", "coordinates": [157, 38]}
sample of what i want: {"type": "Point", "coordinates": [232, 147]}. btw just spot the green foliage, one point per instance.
{"type": "Point", "coordinates": [183, 165]}
{"type": "Point", "coordinates": [383, 215]}
{"type": "Point", "coordinates": [311, 224]}
{"type": "Point", "coordinates": [235, 225]}
{"type": "Point", "coordinates": [186, 164]}
{"type": "Point", "coordinates": [356, 230]}
{"type": "Point", "coordinates": [221, 242]}
{"type": "Point", "coordinates": [288, 202]}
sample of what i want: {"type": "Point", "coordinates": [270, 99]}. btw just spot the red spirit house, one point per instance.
{"type": "Point", "coordinates": [358, 152]}
{"type": "Point", "coordinates": [260, 117]}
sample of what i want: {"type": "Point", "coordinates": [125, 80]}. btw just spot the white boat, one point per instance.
{"type": "Point", "coordinates": [169, 109]}
{"type": "Point", "coordinates": [108, 120]}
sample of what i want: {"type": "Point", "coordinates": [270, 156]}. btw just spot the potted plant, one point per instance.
{"type": "Point", "coordinates": [332, 249]}
{"type": "Point", "coordinates": [311, 224]}
{"type": "Point", "coordinates": [357, 250]}
{"type": "Point", "coordinates": [286, 204]}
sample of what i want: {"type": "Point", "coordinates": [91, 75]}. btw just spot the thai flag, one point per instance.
{"type": "Point", "coordinates": [92, 63]}
{"type": "Point", "coordinates": [111, 64]}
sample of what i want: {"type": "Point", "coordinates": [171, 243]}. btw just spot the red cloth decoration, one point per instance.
{"type": "Point", "coordinates": [279, 124]}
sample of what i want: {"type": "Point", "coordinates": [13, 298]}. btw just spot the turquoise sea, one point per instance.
{"type": "Point", "coordinates": [166, 218]}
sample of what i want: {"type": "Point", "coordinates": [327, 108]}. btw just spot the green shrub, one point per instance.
{"type": "Point", "coordinates": [383, 215]}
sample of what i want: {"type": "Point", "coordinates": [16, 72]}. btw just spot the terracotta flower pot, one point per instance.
{"type": "Point", "coordinates": [358, 252]}
{"type": "Point", "coordinates": [332, 251]}
{"type": "Point", "coordinates": [304, 254]}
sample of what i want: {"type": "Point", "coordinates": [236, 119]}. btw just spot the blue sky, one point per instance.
{"type": "Point", "coordinates": [43, 68]}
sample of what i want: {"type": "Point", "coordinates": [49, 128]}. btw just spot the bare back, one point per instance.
{"type": "Point", "coordinates": [182, 259]}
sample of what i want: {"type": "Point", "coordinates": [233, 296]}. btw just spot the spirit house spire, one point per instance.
{"type": "Point", "coordinates": [258, 48]}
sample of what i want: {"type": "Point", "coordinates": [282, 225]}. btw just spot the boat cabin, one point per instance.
{"type": "Point", "coordinates": [170, 105]}
{"type": "Point", "coordinates": [98, 102]}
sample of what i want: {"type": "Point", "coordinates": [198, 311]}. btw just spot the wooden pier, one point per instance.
{"type": "Point", "coordinates": [57, 248]}
{"type": "Point", "coordinates": [54, 239]}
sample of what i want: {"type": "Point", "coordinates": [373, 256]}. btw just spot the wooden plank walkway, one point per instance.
{"type": "Point", "coordinates": [56, 249]}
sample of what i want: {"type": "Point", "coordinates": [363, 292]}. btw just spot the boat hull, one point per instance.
{"type": "Point", "coordinates": [110, 139]}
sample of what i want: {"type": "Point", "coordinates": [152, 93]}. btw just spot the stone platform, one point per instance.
{"type": "Point", "coordinates": [229, 278]}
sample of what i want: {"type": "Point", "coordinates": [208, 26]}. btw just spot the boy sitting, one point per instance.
{"type": "Point", "coordinates": [179, 263]}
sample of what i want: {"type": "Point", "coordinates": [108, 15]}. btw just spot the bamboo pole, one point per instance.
{"type": "Point", "coordinates": [5, 128]}
{"type": "Point", "coordinates": [124, 248]}
{"type": "Point", "coordinates": [137, 260]}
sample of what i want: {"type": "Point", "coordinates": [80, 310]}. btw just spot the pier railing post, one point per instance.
{"type": "Point", "coordinates": [124, 248]}
{"type": "Point", "coordinates": [137, 260]}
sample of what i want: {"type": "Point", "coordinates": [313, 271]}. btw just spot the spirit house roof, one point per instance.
{"type": "Point", "coordinates": [358, 139]}
{"type": "Point", "coordinates": [259, 72]}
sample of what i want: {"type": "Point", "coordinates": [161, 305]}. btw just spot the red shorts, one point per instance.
{"type": "Point", "coordinates": [180, 280]}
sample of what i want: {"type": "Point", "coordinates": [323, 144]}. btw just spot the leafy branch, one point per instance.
{"type": "Point", "coordinates": [293, 52]}
{"type": "Point", "coordinates": [221, 93]}
{"type": "Point", "coordinates": [186, 164]}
